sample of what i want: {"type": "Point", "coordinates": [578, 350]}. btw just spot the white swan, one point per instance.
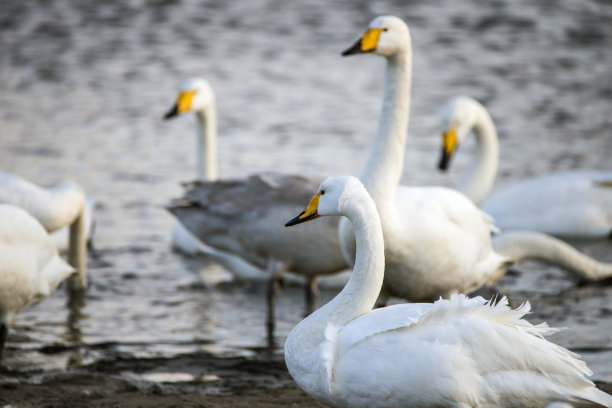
{"type": "Point", "coordinates": [437, 241]}
{"type": "Point", "coordinates": [454, 353]}
{"type": "Point", "coordinates": [430, 231]}
{"type": "Point", "coordinates": [55, 208]}
{"type": "Point", "coordinates": [574, 204]}
{"type": "Point", "coordinates": [30, 266]}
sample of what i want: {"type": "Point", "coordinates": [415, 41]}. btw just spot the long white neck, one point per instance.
{"type": "Point", "coordinates": [531, 245]}
{"type": "Point", "coordinates": [383, 170]}
{"type": "Point", "coordinates": [207, 143]}
{"type": "Point", "coordinates": [478, 182]}
{"type": "Point", "coordinates": [360, 293]}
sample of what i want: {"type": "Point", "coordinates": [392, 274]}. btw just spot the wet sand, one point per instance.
{"type": "Point", "coordinates": [218, 382]}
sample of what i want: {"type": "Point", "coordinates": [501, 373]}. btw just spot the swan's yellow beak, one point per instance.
{"type": "Point", "coordinates": [182, 105]}
{"type": "Point", "coordinates": [449, 145]}
{"type": "Point", "coordinates": [367, 43]}
{"type": "Point", "coordinates": [310, 213]}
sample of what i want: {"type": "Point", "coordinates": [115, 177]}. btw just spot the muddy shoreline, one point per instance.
{"type": "Point", "coordinates": [216, 382]}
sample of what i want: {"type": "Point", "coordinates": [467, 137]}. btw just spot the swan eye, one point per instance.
{"type": "Point", "coordinates": [385, 29]}
{"type": "Point", "coordinates": [322, 192]}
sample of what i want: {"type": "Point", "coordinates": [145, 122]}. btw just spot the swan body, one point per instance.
{"type": "Point", "coordinates": [573, 204]}
{"type": "Point", "coordinates": [232, 216]}
{"type": "Point", "coordinates": [57, 207]}
{"type": "Point", "coordinates": [437, 240]}
{"type": "Point", "coordinates": [459, 352]}
{"type": "Point", "coordinates": [30, 266]}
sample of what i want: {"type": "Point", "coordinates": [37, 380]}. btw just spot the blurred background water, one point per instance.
{"type": "Point", "coordinates": [84, 85]}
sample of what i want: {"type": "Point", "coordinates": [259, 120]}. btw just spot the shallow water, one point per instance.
{"type": "Point", "coordinates": [83, 87]}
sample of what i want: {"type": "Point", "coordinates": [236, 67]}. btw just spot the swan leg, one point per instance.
{"type": "Point", "coordinates": [3, 336]}
{"type": "Point", "coordinates": [274, 287]}
{"type": "Point", "coordinates": [312, 295]}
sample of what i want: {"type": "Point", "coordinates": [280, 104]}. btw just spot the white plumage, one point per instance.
{"type": "Point", "coordinates": [459, 352]}
{"type": "Point", "coordinates": [30, 266]}
{"type": "Point", "coordinates": [61, 206]}
{"type": "Point", "coordinates": [574, 204]}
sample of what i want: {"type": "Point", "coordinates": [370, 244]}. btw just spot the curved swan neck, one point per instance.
{"type": "Point", "coordinates": [360, 293]}
{"type": "Point", "coordinates": [77, 253]}
{"type": "Point", "coordinates": [531, 245]}
{"type": "Point", "coordinates": [207, 143]}
{"type": "Point", "coordinates": [61, 206]}
{"type": "Point", "coordinates": [383, 169]}
{"type": "Point", "coordinates": [478, 182]}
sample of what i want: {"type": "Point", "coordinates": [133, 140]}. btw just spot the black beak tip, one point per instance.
{"type": "Point", "coordinates": [291, 222]}
{"type": "Point", "coordinates": [171, 113]}
{"type": "Point", "coordinates": [354, 49]}
{"type": "Point", "coordinates": [295, 220]}
{"type": "Point", "coordinates": [443, 164]}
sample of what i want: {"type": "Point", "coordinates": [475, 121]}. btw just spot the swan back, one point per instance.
{"type": "Point", "coordinates": [245, 217]}
{"type": "Point", "coordinates": [53, 207]}
{"type": "Point", "coordinates": [479, 353]}
{"type": "Point", "coordinates": [30, 266]}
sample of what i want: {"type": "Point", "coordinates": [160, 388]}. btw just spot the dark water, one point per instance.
{"type": "Point", "coordinates": [83, 87]}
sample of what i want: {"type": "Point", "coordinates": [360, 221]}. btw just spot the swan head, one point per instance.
{"type": "Point", "coordinates": [385, 36]}
{"type": "Point", "coordinates": [195, 95]}
{"type": "Point", "coordinates": [330, 199]}
{"type": "Point", "coordinates": [457, 119]}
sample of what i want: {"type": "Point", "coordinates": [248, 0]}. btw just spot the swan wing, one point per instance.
{"type": "Point", "coordinates": [441, 231]}
{"type": "Point", "coordinates": [340, 339]}
{"type": "Point", "coordinates": [246, 217]}
{"type": "Point", "coordinates": [445, 206]}
{"type": "Point", "coordinates": [478, 353]}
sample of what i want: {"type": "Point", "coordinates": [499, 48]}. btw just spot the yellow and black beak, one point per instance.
{"type": "Point", "coordinates": [310, 213]}
{"type": "Point", "coordinates": [449, 146]}
{"type": "Point", "coordinates": [182, 105]}
{"type": "Point", "coordinates": [367, 43]}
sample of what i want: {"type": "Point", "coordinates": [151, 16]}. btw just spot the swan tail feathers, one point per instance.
{"type": "Point", "coordinates": [531, 245]}
{"type": "Point", "coordinates": [496, 310]}
{"type": "Point", "coordinates": [490, 221]}
{"type": "Point", "coordinates": [54, 272]}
